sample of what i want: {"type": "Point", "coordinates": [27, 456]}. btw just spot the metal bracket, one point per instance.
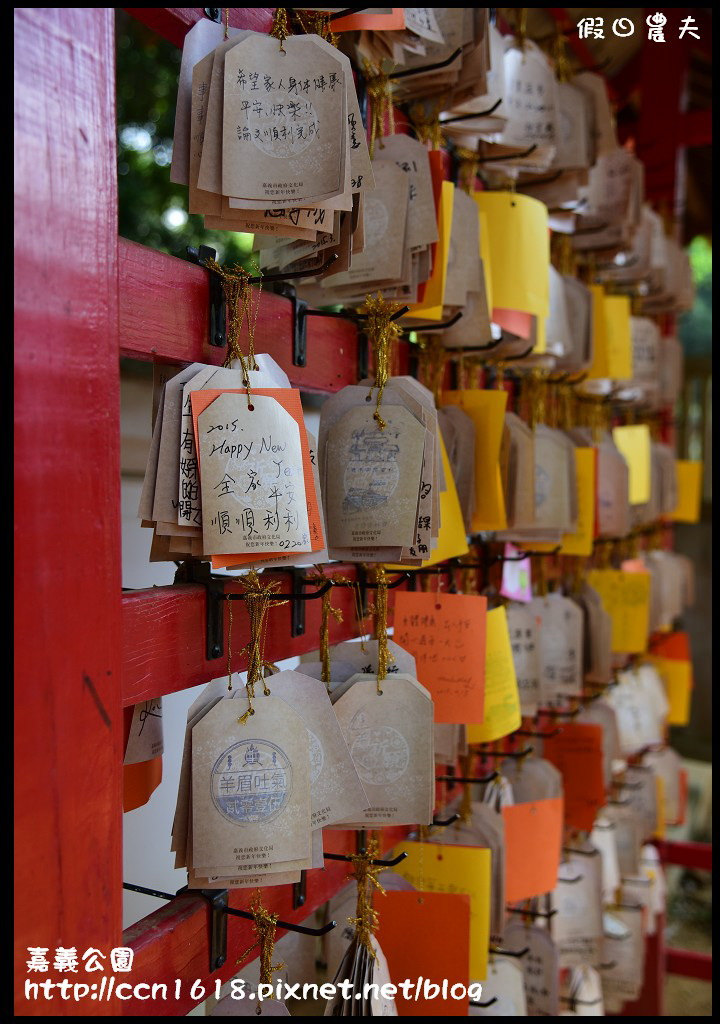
{"type": "Point", "coordinates": [199, 572]}
{"type": "Point", "coordinates": [298, 306]}
{"type": "Point", "coordinates": [216, 326]}
{"type": "Point", "coordinates": [218, 901]}
{"type": "Point", "coordinates": [213, 13]}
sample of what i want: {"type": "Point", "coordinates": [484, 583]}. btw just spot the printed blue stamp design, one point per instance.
{"type": "Point", "coordinates": [251, 781]}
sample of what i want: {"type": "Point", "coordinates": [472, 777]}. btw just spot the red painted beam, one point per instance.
{"type": "Point", "coordinates": [164, 635]}
{"type": "Point", "coordinates": [173, 943]}
{"type": "Point", "coordinates": [68, 715]}
{"type": "Point", "coordinates": [696, 128]}
{"type": "Point", "coordinates": [689, 964]}
{"type": "Point", "coordinates": [163, 317]}
{"type": "Point", "coordinates": [172, 23]}
{"type": "Point", "coordinates": [688, 855]}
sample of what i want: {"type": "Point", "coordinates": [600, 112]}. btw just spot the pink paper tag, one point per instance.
{"type": "Point", "coordinates": [516, 582]}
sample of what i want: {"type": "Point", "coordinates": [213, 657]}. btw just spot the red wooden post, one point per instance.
{"type": "Point", "coordinates": [68, 714]}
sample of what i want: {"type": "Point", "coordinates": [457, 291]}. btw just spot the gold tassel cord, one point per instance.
{"type": "Point", "coordinates": [365, 873]}
{"type": "Point", "coordinates": [428, 126]}
{"type": "Point", "coordinates": [468, 163]}
{"type": "Point", "coordinates": [380, 611]}
{"type": "Point", "coordinates": [379, 90]}
{"type": "Point", "coordinates": [433, 360]}
{"type": "Point", "coordinates": [382, 331]}
{"type": "Point", "coordinates": [325, 612]}
{"type": "Point", "coordinates": [257, 600]}
{"type": "Point", "coordinates": [264, 926]}
{"type": "Point", "coordinates": [280, 29]}
{"type": "Point", "coordinates": [243, 305]}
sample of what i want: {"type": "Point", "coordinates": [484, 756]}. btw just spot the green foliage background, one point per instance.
{"type": "Point", "coordinates": [146, 75]}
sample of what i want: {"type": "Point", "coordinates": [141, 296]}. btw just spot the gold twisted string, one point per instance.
{"type": "Point", "coordinates": [365, 873]}
{"type": "Point", "coordinates": [264, 926]}
{"type": "Point", "coordinates": [280, 28]}
{"type": "Point", "coordinates": [326, 610]}
{"type": "Point", "coordinates": [382, 331]}
{"type": "Point", "coordinates": [433, 360]}
{"type": "Point", "coordinates": [563, 69]}
{"type": "Point", "coordinates": [318, 23]}
{"type": "Point", "coordinates": [243, 305]}
{"type": "Point", "coordinates": [379, 90]}
{"type": "Point", "coordinates": [427, 125]}
{"type": "Point", "coordinates": [257, 601]}
{"type": "Point", "coordinates": [468, 163]}
{"type": "Point", "coordinates": [380, 611]}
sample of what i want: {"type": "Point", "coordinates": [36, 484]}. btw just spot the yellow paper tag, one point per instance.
{"type": "Point", "coordinates": [677, 677]}
{"type": "Point", "coordinates": [689, 489]}
{"type": "Point", "coordinates": [580, 542]}
{"type": "Point", "coordinates": [626, 599]}
{"type": "Point", "coordinates": [487, 411]}
{"type": "Point", "coordinates": [634, 445]}
{"type": "Point", "coordinates": [519, 241]}
{"type": "Point", "coordinates": [502, 698]}
{"type": "Point", "coordinates": [452, 541]}
{"type": "Point", "coordinates": [486, 257]}
{"type": "Point", "coordinates": [431, 308]}
{"type": "Point", "coordinates": [459, 869]}
{"type": "Point", "coordinates": [618, 339]}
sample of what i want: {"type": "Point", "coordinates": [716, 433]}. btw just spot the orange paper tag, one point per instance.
{"type": "Point", "coordinates": [533, 840]}
{"type": "Point", "coordinates": [577, 753]}
{"type": "Point", "coordinates": [406, 921]}
{"type": "Point", "coordinates": [445, 633]}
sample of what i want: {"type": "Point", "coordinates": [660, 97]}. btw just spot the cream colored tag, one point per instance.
{"type": "Point", "coordinates": [390, 740]}
{"type": "Point", "coordinates": [146, 732]}
{"type": "Point", "coordinates": [577, 926]}
{"type": "Point", "coordinates": [284, 121]}
{"type": "Point", "coordinates": [540, 966]}
{"type": "Point", "coordinates": [523, 631]}
{"type": "Point", "coordinates": [560, 630]}
{"type": "Point", "coordinates": [251, 786]}
{"type": "Point", "coordinates": [373, 478]}
{"type": "Point", "coordinates": [251, 472]}
{"type": "Point", "coordinates": [336, 790]}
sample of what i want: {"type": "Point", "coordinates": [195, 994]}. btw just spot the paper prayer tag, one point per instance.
{"type": "Point", "coordinates": [251, 786]}
{"type": "Point", "coordinates": [446, 635]}
{"type": "Point", "coordinates": [146, 732]}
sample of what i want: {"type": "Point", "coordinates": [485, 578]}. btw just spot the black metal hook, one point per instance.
{"type": "Point", "coordinates": [516, 359]}
{"type": "Point", "coordinates": [559, 712]}
{"type": "Point", "coordinates": [542, 554]}
{"type": "Point", "coordinates": [426, 67]}
{"type": "Point", "coordinates": [583, 853]}
{"type": "Point", "coordinates": [469, 117]}
{"type": "Point", "coordinates": [346, 12]}
{"type": "Point", "coordinates": [424, 328]}
{"type": "Point", "coordinates": [490, 1002]}
{"type": "Point", "coordinates": [516, 754]}
{"type": "Point", "coordinates": [490, 345]}
{"type": "Point", "coordinates": [518, 954]}
{"type": "Point", "coordinates": [281, 276]}
{"type": "Point", "coordinates": [377, 863]}
{"type": "Point", "coordinates": [540, 181]}
{"type": "Point", "coordinates": [216, 325]}
{"type": "Point", "coordinates": [286, 925]}
{"type": "Point", "coordinates": [572, 881]}
{"type": "Point", "coordinates": [443, 822]}
{"type": "Point", "coordinates": [467, 780]}
{"type": "Point", "coordinates": [509, 156]}
{"type": "Point", "coordinates": [547, 914]}
{"type": "Point", "coordinates": [592, 231]}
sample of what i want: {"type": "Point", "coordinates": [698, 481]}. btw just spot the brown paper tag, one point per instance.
{"type": "Point", "coordinates": [390, 741]}
{"type": "Point", "coordinates": [411, 156]}
{"type": "Point", "coordinates": [284, 121]}
{"type": "Point", "coordinates": [251, 472]}
{"type": "Point", "coordinates": [251, 786]}
{"type": "Point", "coordinates": [560, 642]}
{"type": "Point", "coordinates": [373, 478]}
{"type": "Point", "coordinates": [146, 732]}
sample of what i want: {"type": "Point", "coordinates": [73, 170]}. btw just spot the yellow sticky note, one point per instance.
{"type": "Point", "coordinates": [434, 867]}
{"type": "Point", "coordinates": [580, 542]}
{"type": "Point", "coordinates": [677, 677]}
{"type": "Point", "coordinates": [519, 243]}
{"type": "Point", "coordinates": [487, 411]}
{"type": "Point", "coordinates": [634, 444]}
{"type": "Point", "coordinates": [626, 599]}
{"type": "Point", "coordinates": [431, 308]}
{"type": "Point", "coordinates": [502, 698]}
{"type": "Point", "coordinates": [618, 337]}
{"type": "Point", "coordinates": [599, 369]}
{"type": "Point", "coordinates": [452, 541]}
{"type": "Point", "coordinates": [689, 489]}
